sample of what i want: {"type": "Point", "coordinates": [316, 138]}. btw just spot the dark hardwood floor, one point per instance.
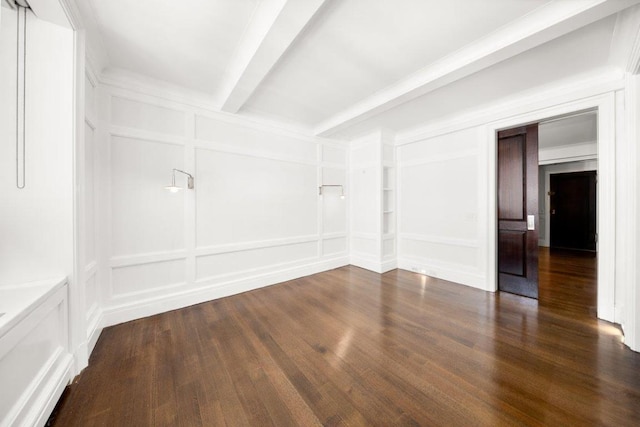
{"type": "Point", "coordinates": [351, 347]}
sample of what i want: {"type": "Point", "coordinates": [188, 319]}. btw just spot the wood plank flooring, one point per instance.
{"type": "Point", "coordinates": [351, 347]}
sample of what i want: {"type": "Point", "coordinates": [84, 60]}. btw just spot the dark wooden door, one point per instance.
{"type": "Point", "coordinates": [573, 210]}
{"type": "Point", "coordinates": [518, 211]}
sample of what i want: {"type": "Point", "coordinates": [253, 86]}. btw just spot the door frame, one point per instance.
{"type": "Point", "coordinates": [606, 206]}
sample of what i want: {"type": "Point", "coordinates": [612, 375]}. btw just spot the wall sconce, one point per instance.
{"type": "Point", "coordinates": [173, 187]}
{"type": "Point", "coordinates": [332, 185]}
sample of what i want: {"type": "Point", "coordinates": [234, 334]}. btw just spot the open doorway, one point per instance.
{"type": "Point", "coordinates": [568, 167]}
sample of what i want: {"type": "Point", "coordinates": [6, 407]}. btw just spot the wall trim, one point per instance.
{"type": "Point", "coordinates": [143, 89]}
{"type": "Point", "coordinates": [203, 144]}
{"type": "Point", "coordinates": [371, 263]}
{"type": "Point", "coordinates": [540, 98]}
{"type": "Point", "coordinates": [438, 158]}
{"type": "Point", "coordinates": [119, 313]}
{"type": "Point", "coordinates": [457, 273]}
{"type": "Point", "coordinates": [605, 104]}
{"type": "Point", "coordinates": [144, 135]}
{"type": "Point", "coordinates": [120, 261]}
{"type": "Point", "coordinates": [441, 240]}
{"type": "Point", "coordinates": [248, 246]}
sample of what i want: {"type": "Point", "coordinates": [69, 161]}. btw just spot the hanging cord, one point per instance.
{"type": "Point", "coordinates": [21, 181]}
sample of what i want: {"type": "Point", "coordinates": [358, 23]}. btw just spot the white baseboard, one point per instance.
{"type": "Point", "coordinates": [451, 272]}
{"type": "Point", "coordinates": [373, 264]}
{"type": "Point", "coordinates": [94, 329]}
{"type": "Point", "coordinates": [119, 313]}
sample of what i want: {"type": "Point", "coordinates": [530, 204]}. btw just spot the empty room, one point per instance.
{"type": "Point", "coordinates": [319, 212]}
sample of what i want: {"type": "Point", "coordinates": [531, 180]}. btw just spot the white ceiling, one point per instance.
{"type": "Point", "coordinates": [341, 68]}
{"type": "Point", "coordinates": [578, 129]}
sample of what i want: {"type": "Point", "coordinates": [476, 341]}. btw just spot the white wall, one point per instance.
{"type": "Point", "coordinates": [254, 218]}
{"type": "Point", "coordinates": [447, 191]}
{"type": "Point", "coordinates": [440, 181]}
{"type": "Point", "coordinates": [36, 223]}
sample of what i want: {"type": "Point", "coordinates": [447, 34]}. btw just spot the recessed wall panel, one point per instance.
{"type": "Point", "coordinates": [334, 246]}
{"type": "Point", "coordinates": [147, 277]}
{"type": "Point", "coordinates": [363, 246]}
{"type": "Point", "coordinates": [244, 261]}
{"type": "Point", "coordinates": [440, 146]}
{"type": "Point", "coordinates": [441, 253]}
{"type": "Point", "coordinates": [258, 141]}
{"type": "Point", "coordinates": [145, 216]}
{"type": "Point", "coordinates": [334, 208]}
{"type": "Point", "coordinates": [247, 199]}
{"type": "Point", "coordinates": [440, 198]}
{"type": "Point", "coordinates": [139, 115]}
{"type": "Point", "coordinates": [90, 292]}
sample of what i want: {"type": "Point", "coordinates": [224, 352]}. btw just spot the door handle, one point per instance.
{"type": "Point", "coordinates": [531, 222]}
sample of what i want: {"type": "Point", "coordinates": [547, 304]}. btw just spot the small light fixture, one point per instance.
{"type": "Point", "coordinates": [173, 187]}
{"type": "Point", "coordinates": [332, 185]}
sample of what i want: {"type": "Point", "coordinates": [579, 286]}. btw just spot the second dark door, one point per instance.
{"type": "Point", "coordinates": [573, 210]}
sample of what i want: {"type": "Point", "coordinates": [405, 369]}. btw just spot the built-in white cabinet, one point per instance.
{"type": "Point", "coordinates": [35, 360]}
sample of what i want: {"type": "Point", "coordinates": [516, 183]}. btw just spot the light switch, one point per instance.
{"type": "Point", "coordinates": [531, 222]}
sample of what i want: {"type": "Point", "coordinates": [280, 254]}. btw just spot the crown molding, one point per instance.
{"type": "Point", "coordinates": [157, 91]}
{"type": "Point", "coordinates": [625, 42]}
{"type": "Point", "coordinates": [546, 23]}
{"type": "Point", "coordinates": [583, 86]}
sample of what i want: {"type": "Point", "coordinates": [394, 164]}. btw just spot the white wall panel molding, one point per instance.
{"type": "Point", "coordinates": [91, 269]}
{"type": "Point", "coordinates": [246, 246]}
{"type": "Point", "coordinates": [142, 135]}
{"type": "Point", "coordinates": [363, 235]}
{"type": "Point", "coordinates": [146, 258]}
{"type": "Point", "coordinates": [158, 290]}
{"type": "Point", "coordinates": [91, 123]}
{"type": "Point", "coordinates": [228, 148]}
{"type": "Point", "coordinates": [457, 273]}
{"type": "Point", "coordinates": [578, 87]}
{"type": "Point", "coordinates": [327, 236]}
{"type": "Point", "coordinates": [329, 165]}
{"type": "Point", "coordinates": [442, 240]}
{"type": "Point", "coordinates": [145, 90]}
{"type": "Point", "coordinates": [438, 158]}
{"type": "Point", "coordinates": [212, 280]}
{"type": "Point", "coordinates": [118, 312]}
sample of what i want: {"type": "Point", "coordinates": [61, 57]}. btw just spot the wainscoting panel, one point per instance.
{"type": "Point", "coordinates": [247, 262]}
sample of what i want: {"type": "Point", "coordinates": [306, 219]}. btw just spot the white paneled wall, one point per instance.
{"type": "Point", "coordinates": [439, 180]}
{"type": "Point", "coordinates": [254, 218]}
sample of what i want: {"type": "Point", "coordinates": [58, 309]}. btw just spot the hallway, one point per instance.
{"type": "Point", "coordinates": [568, 281]}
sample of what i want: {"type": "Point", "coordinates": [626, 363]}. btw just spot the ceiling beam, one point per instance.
{"type": "Point", "coordinates": [275, 25]}
{"type": "Point", "coordinates": [546, 23]}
